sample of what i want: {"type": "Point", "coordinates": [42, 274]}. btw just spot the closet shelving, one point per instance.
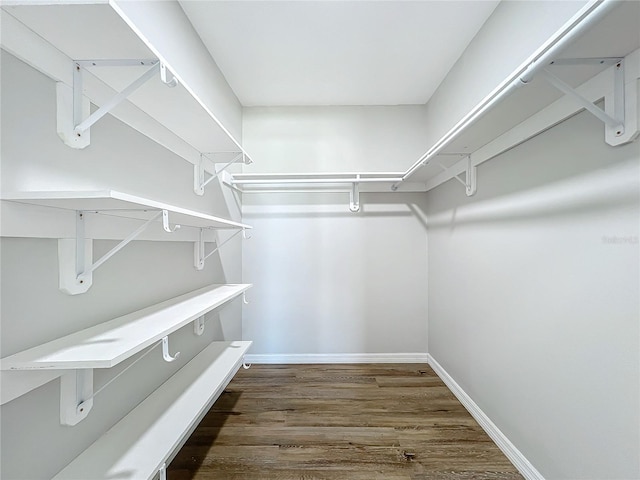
{"type": "Point", "coordinates": [526, 103]}
{"type": "Point", "coordinates": [107, 344]}
{"type": "Point", "coordinates": [120, 204]}
{"type": "Point", "coordinates": [184, 119]}
{"type": "Point", "coordinates": [102, 66]}
{"type": "Point", "coordinates": [75, 255]}
{"type": "Point", "coordinates": [141, 444]}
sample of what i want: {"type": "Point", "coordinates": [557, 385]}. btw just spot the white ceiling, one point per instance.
{"type": "Point", "coordinates": [336, 52]}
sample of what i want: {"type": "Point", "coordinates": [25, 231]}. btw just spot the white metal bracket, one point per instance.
{"type": "Point", "coordinates": [75, 256]}
{"type": "Point", "coordinates": [74, 118]}
{"type": "Point", "coordinates": [162, 472]}
{"type": "Point", "coordinates": [76, 395]}
{"type": "Point", "coordinates": [199, 255]}
{"type": "Point", "coordinates": [614, 114]}
{"type": "Point", "coordinates": [167, 77]}
{"type": "Point", "coordinates": [471, 179]}
{"type": "Point", "coordinates": [165, 351]}
{"type": "Point", "coordinates": [470, 182]}
{"type": "Point", "coordinates": [199, 173]}
{"type": "Point", "coordinates": [354, 196]}
{"type": "Point", "coordinates": [165, 223]}
{"type": "Point", "coordinates": [198, 325]}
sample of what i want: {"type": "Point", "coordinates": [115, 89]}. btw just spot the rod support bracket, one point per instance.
{"type": "Point", "coordinates": [168, 78]}
{"type": "Point", "coordinates": [471, 180]}
{"type": "Point", "coordinates": [354, 196]}
{"type": "Point", "coordinates": [165, 223]}
{"type": "Point", "coordinates": [165, 351]}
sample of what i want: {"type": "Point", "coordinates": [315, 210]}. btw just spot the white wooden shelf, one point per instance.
{"type": "Point", "coordinates": [120, 204]}
{"type": "Point", "coordinates": [164, 115]}
{"type": "Point", "coordinates": [109, 343]}
{"type": "Point", "coordinates": [140, 444]}
{"type": "Point", "coordinates": [75, 256]}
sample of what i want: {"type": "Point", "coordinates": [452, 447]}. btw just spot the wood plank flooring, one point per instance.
{"type": "Point", "coordinates": [339, 422]}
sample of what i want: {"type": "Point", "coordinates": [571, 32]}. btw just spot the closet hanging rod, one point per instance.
{"type": "Point", "coordinates": [315, 180]}
{"type": "Point", "coordinates": [584, 19]}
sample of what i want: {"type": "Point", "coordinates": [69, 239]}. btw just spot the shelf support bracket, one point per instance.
{"type": "Point", "coordinates": [470, 182]}
{"type": "Point", "coordinates": [74, 117]}
{"type": "Point", "coordinates": [354, 196]}
{"type": "Point", "coordinates": [198, 326]}
{"type": "Point", "coordinates": [199, 172]}
{"type": "Point", "coordinates": [614, 124]}
{"type": "Point", "coordinates": [162, 472]}
{"type": "Point", "coordinates": [198, 249]}
{"type": "Point", "coordinates": [76, 396]}
{"type": "Point", "coordinates": [75, 256]}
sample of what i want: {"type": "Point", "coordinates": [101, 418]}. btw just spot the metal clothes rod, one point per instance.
{"type": "Point", "coordinates": [591, 14]}
{"type": "Point", "coordinates": [315, 180]}
{"type": "Point", "coordinates": [309, 190]}
{"type": "Point", "coordinates": [580, 22]}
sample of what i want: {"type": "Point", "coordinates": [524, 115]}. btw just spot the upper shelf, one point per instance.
{"type": "Point", "coordinates": [193, 118]}
{"type": "Point", "coordinates": [122, 205]}
{"type": "Point", "coordinates": [109, 343]}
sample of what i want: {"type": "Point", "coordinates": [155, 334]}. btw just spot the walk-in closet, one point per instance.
{"type": "Point", "coordinates": [318, 239]}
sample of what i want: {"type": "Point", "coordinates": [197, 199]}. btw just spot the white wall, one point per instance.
{"type": "Point", "coordinates": [534, 298]}
{"type": "Point", "coordinates": [33, 310]}
{"type": "Point", "coordinates": [328, 281]}
{"type": "Point", "coordinates": [334, 139]}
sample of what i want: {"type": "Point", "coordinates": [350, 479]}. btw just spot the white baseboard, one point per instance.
{"type": "Point", "coordinates": [516, 457]}
{"type": "Point", "coordinates": [297, 358]}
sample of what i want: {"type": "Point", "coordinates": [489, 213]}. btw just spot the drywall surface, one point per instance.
{"type": "Point", "coordinates": [534, 298]}
{"type": "Point", "coordinates": [327, 281]}
{"type": "Point", "coordinates": [334, 139]}
{"type": "Point", "coordinates": [33, 310]}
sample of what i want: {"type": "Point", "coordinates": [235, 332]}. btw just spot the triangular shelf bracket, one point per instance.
{"type": "Point", "coordinates": [75, 256]}
{"type": "Point", "coordinates": [471, 180]}
{"type": "Point", "coordinates": [74, 119]}
{"type": "Point", "coordinates": [199, 173]}
{"type": "Point", "coordinates": [199, 255]}
{"type": "Point", "coordinates": [614, 116]}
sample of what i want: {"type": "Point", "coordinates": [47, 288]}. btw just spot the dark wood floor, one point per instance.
{"type": "Point", "coordinates": [339, 422]}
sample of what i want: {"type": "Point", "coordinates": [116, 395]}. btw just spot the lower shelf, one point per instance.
{"type": "Point", "coordinates": [139, 444]}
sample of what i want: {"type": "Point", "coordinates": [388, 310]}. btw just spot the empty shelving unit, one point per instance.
{"type": "Point", "coordinates": [446, 183]}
